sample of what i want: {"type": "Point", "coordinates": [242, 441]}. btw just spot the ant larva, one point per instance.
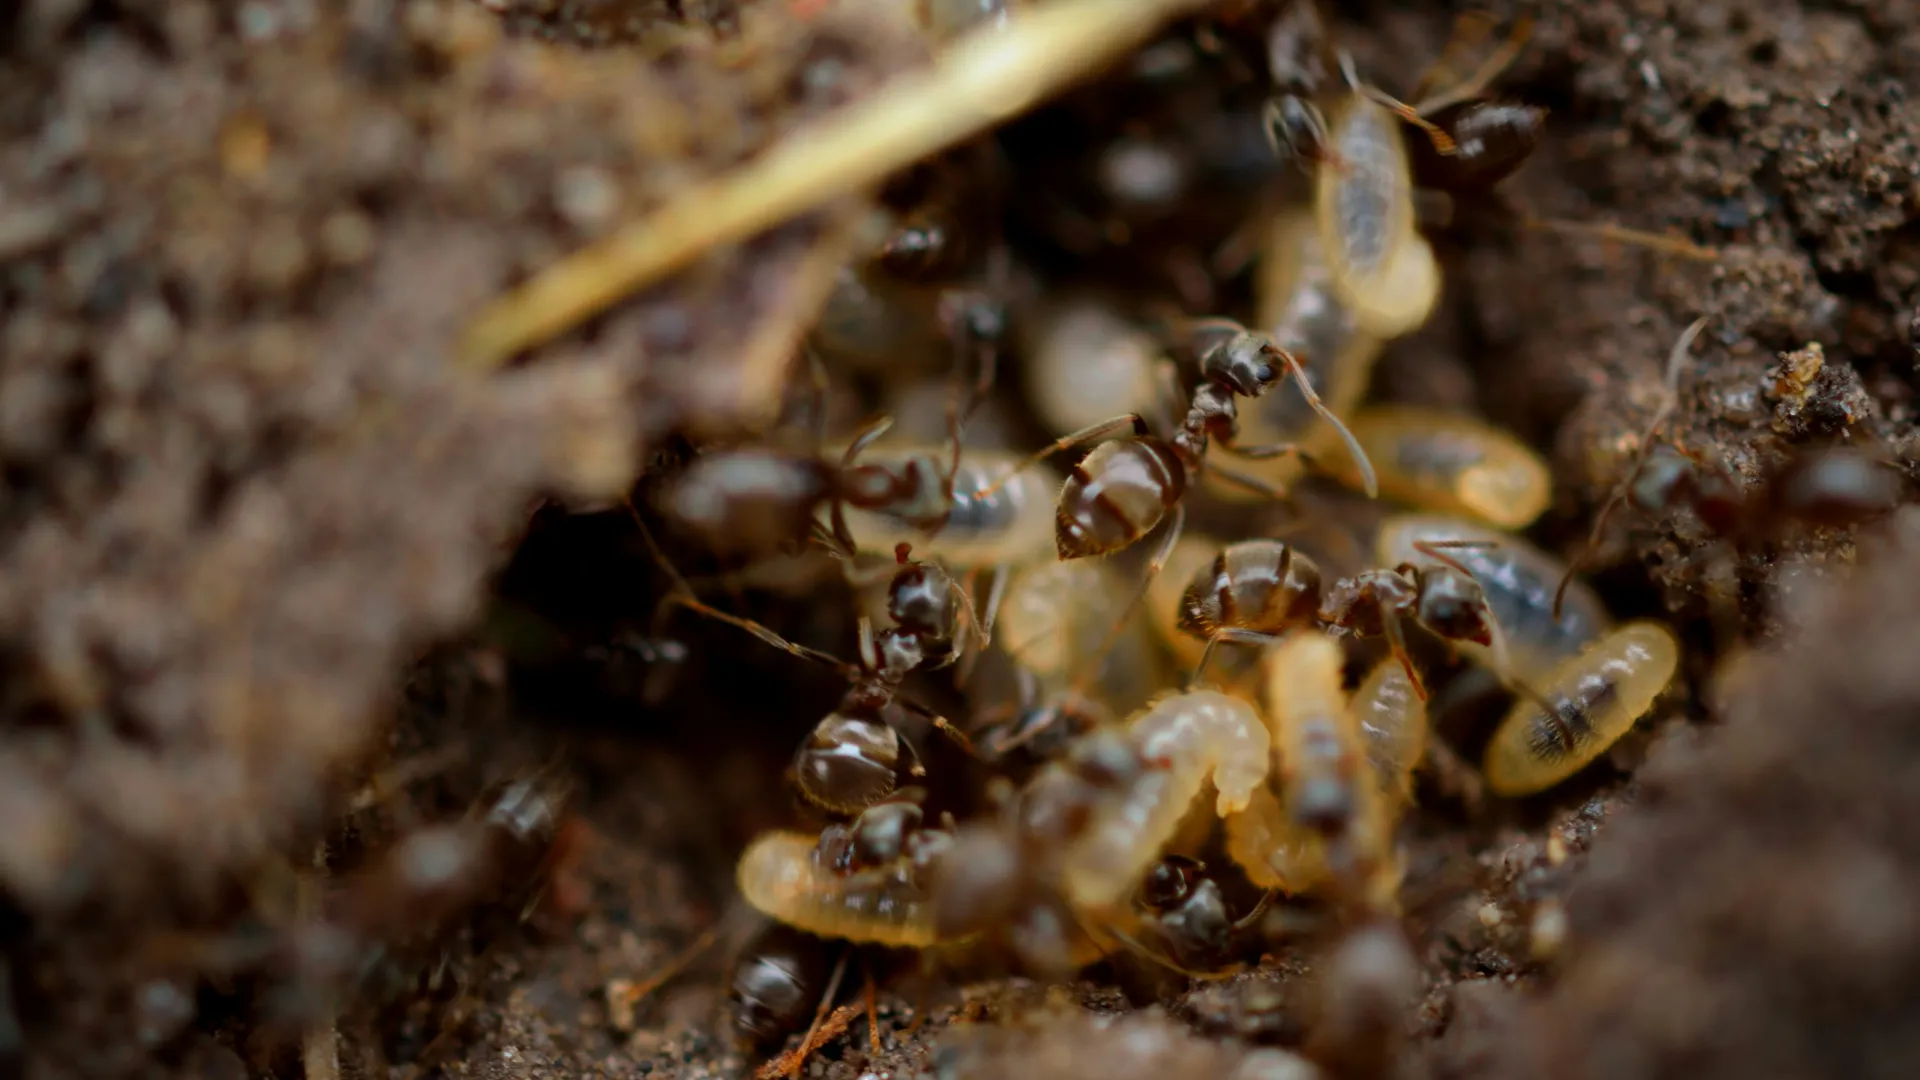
{"type": "Point", "coordinates": [864, 883]}
{"type": "Point", "coordinates": [1068, 668]}
{"type": "Point", "coordinates": [852, 758]}
{"type": "Point", "coordinates": [1325, 816]}
{"type": "Point", "coordinates": [1184, 741]}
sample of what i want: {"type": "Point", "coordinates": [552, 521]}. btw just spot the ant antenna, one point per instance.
{"type": "Point", "coordinates": [1669, 401]}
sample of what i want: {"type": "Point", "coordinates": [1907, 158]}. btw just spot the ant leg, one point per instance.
{"type": "Point", "coordinates": [945, 726]}
{"type": "Point", "coordinates": [1227, 633]}
{"type": "Point", "coordinates": [1251, 483]}
{"type": "Point", "coordinates": [1622, 234]}
{"type": "Point", "coordinates": [1241, 924]}
{"type": "Point", "coordinates": [1397, 641]}
{"type": "Point", "coordinates": [817, 375]}
{"type": "Point", "coordinates": [1160, 557]}
{"type": "Point", "coordinates": [996, 593]}
{"type": "Point", "coordinates": [1442, 142]}
{"type": "Point", "coordinates": [873, 1015]}
{"type": "Point", "coordinates": [861, 440]}
{"type": "Point", "coordinates": [683, 596]}
{"type": "Point", "coordinates": [1268, 451]}
{"type": "Point", "coordinates": [1086, 434]}
{"type": "Point", "coordinates": [790, 1066]}
{"type": "Point", "coordinates": [633, 994]}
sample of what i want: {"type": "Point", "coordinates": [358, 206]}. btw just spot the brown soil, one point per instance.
{"type": "Point", "coordinates": [274, 579]}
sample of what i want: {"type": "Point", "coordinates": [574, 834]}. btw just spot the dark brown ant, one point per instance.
{"type": "Point", "coordinates": [1257, 590]}
{"type": "Point", "coordinates": [1189, 914]}
{"type": "Point", "coordinates": [514, 846]}
{"type": "Point", "coordinates": [1124, 488]}
{"type": "Point", "coordinates": [759, 499]}
{"type": "Point", "coordinates": [852, 758]}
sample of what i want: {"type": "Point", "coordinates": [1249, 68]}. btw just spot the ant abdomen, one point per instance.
{"type": "Point", "coordinates": [1596, 696]}
{"type": "Point", "coordinates": [1116, 495]}
{"type": "Point", "coordinates": [1258, 585]}
{"type": "Point", "coordinates": [777, 983]}
{"type": "Point", "coordinates": [1492, 139]}
{"type": "Point", "coordinates": [848, 763]}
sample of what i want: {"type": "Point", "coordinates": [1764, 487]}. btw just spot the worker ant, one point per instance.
{"type": "Point", "coordinates": [852, 758]}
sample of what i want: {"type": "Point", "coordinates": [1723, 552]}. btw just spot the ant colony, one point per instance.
{"type": "Point", "coordinates": [1166, 642]}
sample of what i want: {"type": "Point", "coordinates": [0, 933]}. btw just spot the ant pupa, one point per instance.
{"type": "Point", "coordinates": [864, 883]}
{"type": "Point", "coordinates": [1070, 670]}
{"type": "Point", "coordinates": [1454, 464]}
{"type": "Point", "coordinates": [852, 758]}
{"type": "Point", "coordinates": [993, 516]}
{"type": "Point", "coordinates": [1594, 699]}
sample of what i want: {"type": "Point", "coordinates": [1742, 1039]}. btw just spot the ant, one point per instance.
{"type": "Point", "coordinates": [1125, 488]}
{"type": "Point", "coordinates": [852, 758]}
{"type": "Point", "coordinates": [741, 498]}
{"type": "Point", "coordinates": [1256, 590]}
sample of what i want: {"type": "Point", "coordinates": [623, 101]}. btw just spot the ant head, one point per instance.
{"type": "Point", "coordinates": [881, 832]}
{"type": "Point", "coordinates": [1170, 882]}
{"type": "Point", "coordinates": [1453, 605]}
{"type": "Point", "coordinates": [921, 602]}
{"type": "Point", "coordinates": [1248, 363]}
{"type": "Point", "coordinates": [1295, 129]}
